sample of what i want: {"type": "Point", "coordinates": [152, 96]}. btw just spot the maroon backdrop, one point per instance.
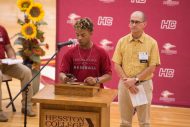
{"type": "Point", "coordinates": [168, 23]}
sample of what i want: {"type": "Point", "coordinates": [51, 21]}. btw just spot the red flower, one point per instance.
{"type": "Point", "coordinates": [38, 52]}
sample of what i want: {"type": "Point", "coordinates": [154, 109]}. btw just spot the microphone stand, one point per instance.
{"type": "Point", "coordinates": [25, 88]}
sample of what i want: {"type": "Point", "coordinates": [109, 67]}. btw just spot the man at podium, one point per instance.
{"type": "Point", "coordinates": [86, 62]}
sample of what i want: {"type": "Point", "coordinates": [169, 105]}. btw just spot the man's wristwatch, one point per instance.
{"type": "Point", "coordinates": [97, 80]}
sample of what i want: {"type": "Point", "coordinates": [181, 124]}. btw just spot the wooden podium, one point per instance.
{"type": "Point", "coordinates": [62, 110]}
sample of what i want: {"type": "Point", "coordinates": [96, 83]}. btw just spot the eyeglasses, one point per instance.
{"type": "Point", "coordinates": [135, 21]}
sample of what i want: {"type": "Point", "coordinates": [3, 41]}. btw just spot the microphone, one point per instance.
{"type": "Point", "coordinates": [62, 44]}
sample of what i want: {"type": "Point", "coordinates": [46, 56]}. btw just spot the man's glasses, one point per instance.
{"type": "Point", "coordinates": [135, 21]}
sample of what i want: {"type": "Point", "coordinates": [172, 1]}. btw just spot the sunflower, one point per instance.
{"type": "Point", "coordinates": [24, 4]}
{"type": "Point", "coordinates": [35, 12]}
{"type": "Point", "coordinates": [29, 31]}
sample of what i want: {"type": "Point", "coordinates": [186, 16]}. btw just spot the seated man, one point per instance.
{"type": "Point", "coordinates": [18, 71]}
{"type": "Point", "coordinates": [87, 62]}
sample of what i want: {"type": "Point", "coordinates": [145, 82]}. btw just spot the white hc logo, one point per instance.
{"type": "Point", "coordinates": [168, 73]}
{"type": "Point", "coordinates": [168, 24]}
{"type": "Point", "coordinates": [138, 1]}
{"type": "Point", "coordinates": [105, 21]}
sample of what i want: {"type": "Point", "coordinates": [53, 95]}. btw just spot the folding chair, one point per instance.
{"type": "Point", "coordinates": [6, 79]}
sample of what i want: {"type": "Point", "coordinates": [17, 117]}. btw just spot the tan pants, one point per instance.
{"type": "Point", "coordinates": [126, 108]}
{"type": "Point", "coordinates": [21, 72]}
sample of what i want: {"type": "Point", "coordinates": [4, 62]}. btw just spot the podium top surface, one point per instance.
{"type": "Point", "coordinates": [101, 99]}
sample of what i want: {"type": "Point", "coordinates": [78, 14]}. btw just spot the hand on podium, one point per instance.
{"type": "Point", "coordinates": [64, 78]}
{"type": "Point", "coordinates": [91, 81]}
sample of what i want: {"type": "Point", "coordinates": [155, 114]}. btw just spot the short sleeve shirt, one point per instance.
{"type": "Point", "coordinates": [127, 54]}
{"type": "Point", "coordinates": [83, 63]}
{"type": "Point", "coordinates": [4, 40]}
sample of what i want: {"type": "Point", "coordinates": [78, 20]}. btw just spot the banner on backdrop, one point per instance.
{"type": "Point", "coordinates": [168, 23]}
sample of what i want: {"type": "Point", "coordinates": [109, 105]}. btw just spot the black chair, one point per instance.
{"type": "Point", "coordinates": [7, 79]}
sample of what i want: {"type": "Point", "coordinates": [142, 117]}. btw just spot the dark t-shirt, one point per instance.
{"type": "Point", "coordinates": [4, 40]}
{"type": "Point", "coordinates": [83, 63]}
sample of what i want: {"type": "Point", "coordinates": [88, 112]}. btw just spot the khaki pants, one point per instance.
{"type": "Point", "coordinates": [126, 108]}
{"type": "Point", "coordinates": [21, 72]}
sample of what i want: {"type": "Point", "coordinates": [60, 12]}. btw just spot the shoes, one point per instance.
{"type": "Point", "coordinates": [3, 117]}
{"type": "Point", "coordinates": [30, 113]}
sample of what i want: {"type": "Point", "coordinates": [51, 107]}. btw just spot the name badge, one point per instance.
{"type": "Point", "coordinates": [143, 57]}
{"type": "Point", "coordinates": [1, 39]}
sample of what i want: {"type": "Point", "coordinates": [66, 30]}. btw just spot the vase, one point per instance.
{"type": "Point", "coordinates": [36, 80]}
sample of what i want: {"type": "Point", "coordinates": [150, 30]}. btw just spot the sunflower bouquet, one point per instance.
{"type": "Point", "coordinates": [31, 38]}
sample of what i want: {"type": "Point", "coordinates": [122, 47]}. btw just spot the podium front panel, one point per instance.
{"type": "Point", "coordinates": [63, 118]}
